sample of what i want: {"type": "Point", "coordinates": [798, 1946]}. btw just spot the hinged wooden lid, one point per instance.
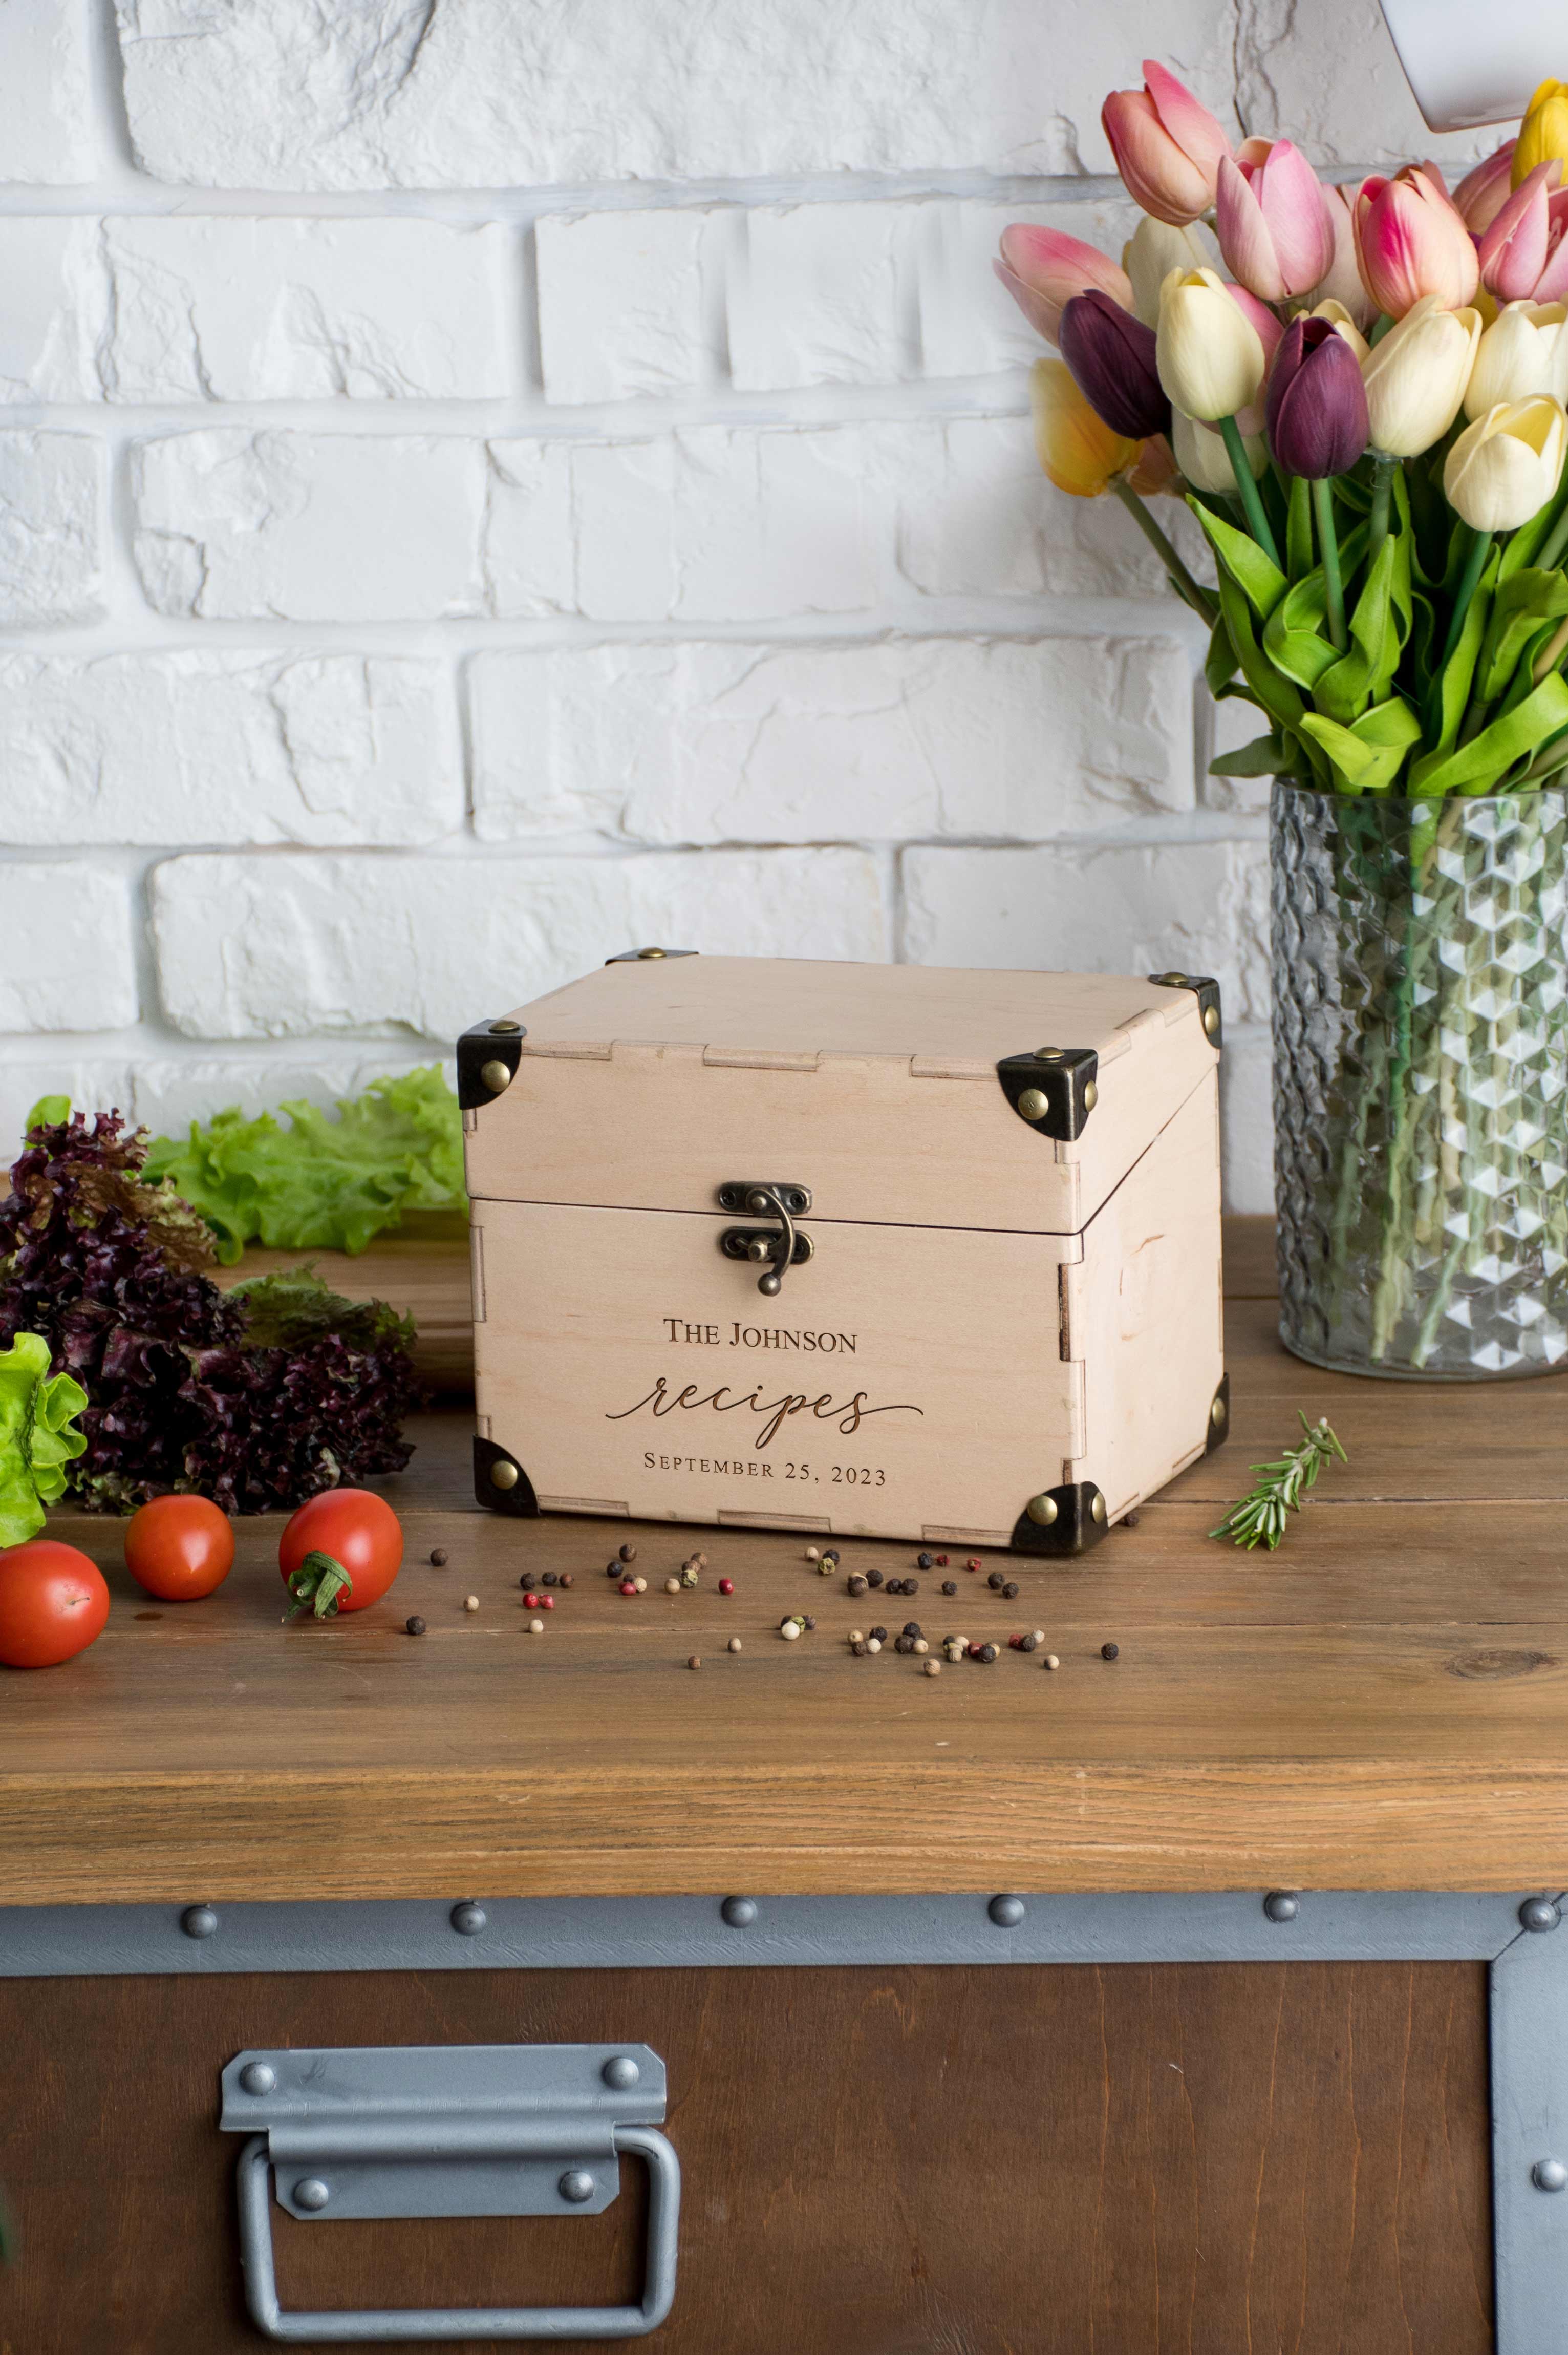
{"type": "Point", "coordinates": [905, 1095]}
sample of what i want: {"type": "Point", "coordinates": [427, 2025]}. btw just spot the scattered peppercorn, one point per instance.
{"type": "Point", "coordinates": [993, 1582]}
{"type": "Point", "coordinates": [1110, 1651]}
{"type": "Point", "coordinates": [734, 1643]}
{"type": "Point", "coordinates": [873, 1577]}
{"type": "Point", "coordinates": [627, 1587]}
{"type": "Point", "coordinates": [1051, 1661]}
{"type": "Point", "coordinates": [726, 1586]}
{"type": "Point", "coordinates": [672, 1586]}
{"type": "Point", "coordinates": [439, 1557]}
{"type": "Point", "coordinates": [911, 1626]}
{"type": "Point", "coordinates": [471, 1602]}
{"type": "Point", "coordinates": [858, 1648]}
{"type": "Point", "coordinates": [904, 1643]}
{"type": "Point", "coordinates": [855, 1583]}
{"type": "Point", "coordinates": [830, 1554]}
{"type": "Point", "coordinates": [614, 1570]}
{"type": "Point", "coordinates": [549, 1579]}
{"type": "Point", "coordinates": [1129, 1520]}
{"type": "Point", "coordinates": [911, 1586]}
{"type": "Point", "coordinates": [640, 1585]}
{"type": "Point", "coordinates": [921, 1644]}
{"type": "Point", "coordinates": [973, 1562]}
{"type": "Point", "coordinates": [695, 1660]}
{"type": "Point", "coordinates": [790, 1629]}
{"type": "Point", "coordinates": [933, 1667]}
{"type": "Point", "coordinates": [1029, 1642]}
{"type": "Point", "coordinates": [807, 1622]}
{"type": "Point", "coordinates": [629, 1553]}
{"type": "Point", "coordinates": [925, 1562]}
{"type": "Point", "coordinates": [880, 1634]}
{"type": "Point", "coordinates": [949, 1585]}
{"type": "Point", "coordinates": [986, 1652]}
{"type": "Point", "coordinates": [1010, 1590]}
{"type": "Point", "coordinates": [567, 1579]}
{"type": "Point", "coordinates": [523, 1582]}
{"type": "Point", "coordinates": [941, 1561]}
{"type": "Point", "coordinates": [536, 1626]}
{"type": "Point", "coordinates": [689, 1575]}
{"type": "Point", "coordinates": [813, 1553]}
{"type": "Point", "coordinates": [416, 1626]}
{"type": "Point", "coordinates": [874, 1643]}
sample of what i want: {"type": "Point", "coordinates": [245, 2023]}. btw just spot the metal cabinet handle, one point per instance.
{"type": "Point", "coordinates": [469, 2322]}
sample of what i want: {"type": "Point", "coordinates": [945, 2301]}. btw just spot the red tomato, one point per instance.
{"type": "Point", "coordinates": [53, 1603]}
{"type": "Point", "coordinates": [352, 1529]}
{"type": "Point", "coordinates": [179, 1547]}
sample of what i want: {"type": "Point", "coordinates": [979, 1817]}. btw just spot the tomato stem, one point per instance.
{"type": "Point", "coordinates": [319, 1579]}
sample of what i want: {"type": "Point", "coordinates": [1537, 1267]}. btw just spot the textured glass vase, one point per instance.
{"type": "Point", "coordinates": [1421, 1082]}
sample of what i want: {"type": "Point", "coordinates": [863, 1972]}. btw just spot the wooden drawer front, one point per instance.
{"type": "Point", "coordinates": [1143, 2158]}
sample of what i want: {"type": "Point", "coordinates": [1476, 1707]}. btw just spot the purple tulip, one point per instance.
{"type": "Point", "coordinates": [1111, 357]}
{"type": "Point", "coordinates": [1317, 407]}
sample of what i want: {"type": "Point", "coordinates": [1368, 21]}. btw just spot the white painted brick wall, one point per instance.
{"type": "Point", "coordinates": [485, 485]}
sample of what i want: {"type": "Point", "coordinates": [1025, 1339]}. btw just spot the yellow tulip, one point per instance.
{"type": "Point", "coordinates": [1205, 460]}
{"type": "Point", "coordinates": [1081, 455]}
{"type": "Point", "coordinates": [1504, 467]}
{"type": "Point", "coordinates": [1151, 254]}
{"type": "Point", "coordinates": [1209, 355]}
{"type": "Point", "coordinates": [1543, 133]}
{"type": "Point", "coordinates": [1415, 378]}
{"type": "Point", "coordinates": [1523, 352]}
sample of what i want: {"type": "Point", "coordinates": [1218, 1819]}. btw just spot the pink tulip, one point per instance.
{"type": "Point", "coordinates": [1410, 242]}
{"type": "Point", "coordinates": [1274, 228]}
{"type": "Point", "coordinates": [1167, 147]}
{"type": "Point", "coordinates": [1269, 330]}
{"type": "Point", "coordinates": [1043, 268]}
{"type": "Point", "coordinates": [1522, 255]}
{"type": "Point", "coordinates": [1341, 281]}
{"type": "Point", "coordinates": [1481, 194]}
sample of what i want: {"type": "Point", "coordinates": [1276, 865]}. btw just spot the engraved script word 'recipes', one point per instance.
{"type": "Point", "coordinates": [853, 1412]}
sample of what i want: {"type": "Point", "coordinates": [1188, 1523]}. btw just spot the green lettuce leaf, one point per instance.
{"type": "Point", "coordinates": [321, 1184]}
{"type": "Point", "coordinates": [37, 1437]}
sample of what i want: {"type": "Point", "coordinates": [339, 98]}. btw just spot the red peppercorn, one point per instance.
{"type": "Point", "coordinates": [627, 1587]}
{"type": "Point", "coordinates": [941, 1561]}
{"type": "Point", "coordinates": [530, 1601]}
{"type": "Point", "coordinates": [726, 1586]}
{"type": "Point", "coordinates": [973, 1562]}
{"type": "Point", "coordinates": [548, 1601]}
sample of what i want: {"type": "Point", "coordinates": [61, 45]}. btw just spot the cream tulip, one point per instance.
{"type": "Point", "coordinates": [1334, 311]}
{"type": "Point", "coordinates": [1502, 469]}
{"type": "Point", "coordinates": [1210, 356]}
{"type": "Point", "coordinates": [1415, 378]}
{"type": "Point", "coordinates": [1153, 251]}
{"type": "Point", "coordinates": [1206, 461]}
{"type": "Point", "coordinates": [1521, 353]}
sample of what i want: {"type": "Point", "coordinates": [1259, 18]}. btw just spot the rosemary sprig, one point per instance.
{"type": "Point", "coordinates": [1258, 1518]}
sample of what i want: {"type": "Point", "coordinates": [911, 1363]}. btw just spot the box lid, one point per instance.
{"type": "Point", "coordinates": [904, 1093]}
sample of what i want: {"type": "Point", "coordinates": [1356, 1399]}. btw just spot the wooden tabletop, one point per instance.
{"type": "Point", "coordinates": [1383, 1704]}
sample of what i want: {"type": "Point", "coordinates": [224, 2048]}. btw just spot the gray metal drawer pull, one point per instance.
{"type": "Point", "coordinates": [451, 2130]}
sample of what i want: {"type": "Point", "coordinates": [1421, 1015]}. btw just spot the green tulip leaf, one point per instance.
{"type": "Point", "coordinates": [1293, 635]}
{"type": "Point", "coordinates": [1461, 669]}
{"type": "Point", "coordinates": [1525, 544]}
{"type": "Point", "coordinates": [1220, 663]}
{"type": "Point", "coordinates": [37, 1436]}
{"type": "Point", "coordinates": [1241, 558]}
{"type": "Point", "coordinates": [1266, 756]}
{"type": "Point", "coordinates": [1524, 600]}
{"type": "Point", "coordinates": [1298, 530]}
{"type": "Point", "coordinates": [1475, 767]}
{"type": "Point", "coordinates": [1369, 755]}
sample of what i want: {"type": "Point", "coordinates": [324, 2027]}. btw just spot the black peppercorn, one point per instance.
{"type": "Point", "coordinates": [902, 1644]}
{"type": "Point", "coordinates": [880, 1634]}
{"type": "Point", "coordinates": [1109, 1651]}
{"type": "Point", "coordinates": [994, 1580]}
{"type": "Point", "coordinates": [566, 1578]}
{"type": "Point", "coordinates": [858, 1649]}
{"type": "Point", "coordinates": [551, 1578]}
{"type": "Point", "coordinates": [925, 1562]}
{"type": "Point", "coordinates": [416, 1626]}
{"type": "Point", "coordinates": [629, 1553]}
{"type": "Point", "coordinates": [949, 1585]}
{"type": "Point", "coordinates": [855, 1582]}
{"type": "Point", "coordinates": [873, 1577]}
{"type": "Point", "coordinates": [1010, 1590]}
{"type": "Point", "coordinates": [807, 1622]}
{"type": "Point", "coordinates": [911, 1586]}
{"type": "Point", "coordinates": [612, 1569]}
{"type": "Point", "coordinates": [438, 1556]}
{"type": "Point", "coordinates": [524, 1580]}
{"type": "Point", "coordinates": [1129, 1520]}
{"type": "Point", "coordinates": [912, 1627]}
{"type": "Point", "coordinates": [1028, 1642]}
{"type": "Point", "coordinates": [986, 1652]}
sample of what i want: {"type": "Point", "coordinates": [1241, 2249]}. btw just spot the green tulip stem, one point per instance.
{"type": "Point", "coordinates": [1196, 595]}
{"type": "Point", "coordinates": [1550, 555]}
{"type": "Point", "coordinates": [1327, 542]}
{"type": "Point", "coordinates": [1475, 564]}
{"type": "Point", "coordinates": [1229, 434]}
{"type": "Point", "coordinates": [1383, 470]}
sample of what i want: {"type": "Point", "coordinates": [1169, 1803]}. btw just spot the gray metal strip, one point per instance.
{"type": "Point", "coordinates": [1530, 2138]}
{"type": "Point", "coordinates": [654, 1933]}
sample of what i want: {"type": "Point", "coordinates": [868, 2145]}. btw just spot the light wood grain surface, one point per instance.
{"type": "Point", "coordinates": [1381, 1704]}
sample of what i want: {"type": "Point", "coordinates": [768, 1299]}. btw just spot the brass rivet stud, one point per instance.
{"type": "Point", "coordinates": [503, 1475]}
{"type": "Point", "coordinates": [643, 954]}
{"type": "Point", "coordinates": [1217, 1412]}
{"type": "Point", "coordinates": [1042, 1510]}
{"type": "Point", "coordinates": [504, 1029]}
{"type": "Point", "coordinates": [1049, 1054]}
{"type": "Point", "coordinates": [1211, 1019]}
{"type": "Point", "coordinates": [1091, 1094]}
{"type": "Point", "coordinates": [496, 1075]}
{"type": "Point", "coordinates": [1097, 1509]}
{"type": "Point", "coordinates": [1035, 1104]}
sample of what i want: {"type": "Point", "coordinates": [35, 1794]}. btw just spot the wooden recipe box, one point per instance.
{"type": "Point", "coordinates": [877, 1251]}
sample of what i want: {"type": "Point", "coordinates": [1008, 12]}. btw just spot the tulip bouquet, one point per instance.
{"type": "Point", "coordinates": [1360, 392]}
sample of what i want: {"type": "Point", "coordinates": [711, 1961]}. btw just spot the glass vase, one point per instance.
{"type": "Point", "coordinates": [1421, 1082]}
